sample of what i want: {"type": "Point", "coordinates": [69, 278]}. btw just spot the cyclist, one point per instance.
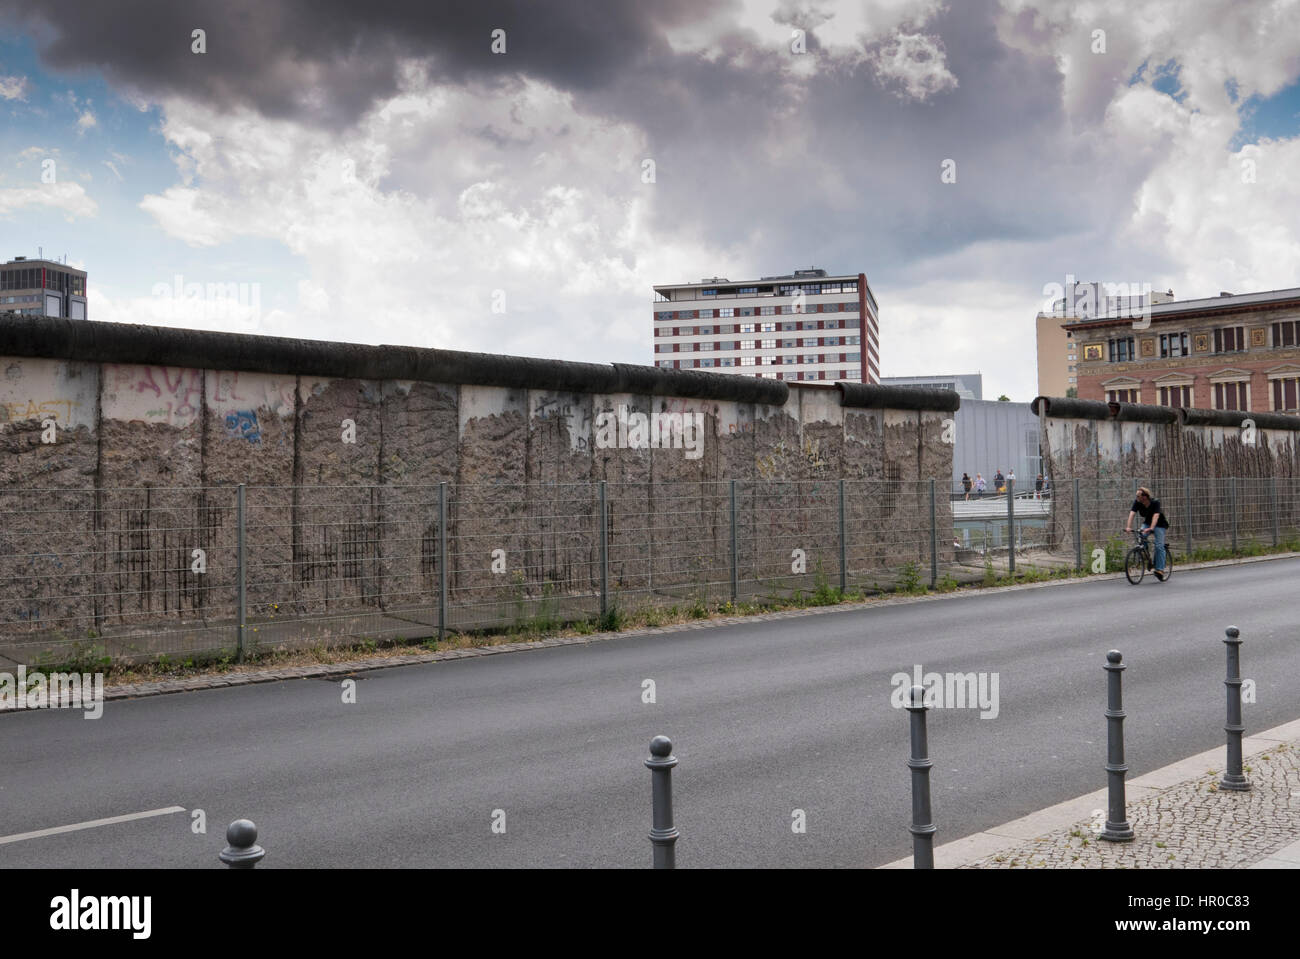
{"type": "Point", "coordinates": [1146, 506]}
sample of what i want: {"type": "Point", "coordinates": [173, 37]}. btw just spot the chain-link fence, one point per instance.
{"type": "Point", "coordinates": [139, 574]}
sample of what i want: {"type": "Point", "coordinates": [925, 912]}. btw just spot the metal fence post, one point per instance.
{"type": "Point", "coordinates": [241, 567]}
{"type": "Point", "coordinates": [604, 551]}
{"type": "Point", "coordinates": [1078, 528]}
{"type": "Point", "coordinates": [844, 552]}
{"type": "Point", "coordinates": [1233, 778]}
{"type": "Point", "coordinates": [663, 834]}
{"type": "Point", "coordinates": [922, 827]}
{"type": "Point", "coordinates": [442, 561]}
{"type": "Point", "coordinates": [242, 850]}
{"type": "Point", "coordinates": [735, 558]}
{"type": "Point", "coordinates": [1232, 508]}
{"type": "Point", "coordinates": [1272, 508]}
{"type": "Point", "coordinates": [1117, 826]}
{"type": "Point", "coordinates": [1011, 527]}
{"type": "Point", "coordinates": [1187, 511]}
{"type": "Point", "coordinates": [934, 541]}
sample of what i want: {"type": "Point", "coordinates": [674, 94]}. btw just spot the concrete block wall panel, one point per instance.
{"type": "Point", "coordinates": [151, 435]}
{"type": "Point", "coordinates": [936, 455]}
{"type": "Point", "coordinates": [863, 459]}
{"type": "Point", "coordinates": [821, 419]}
{"type": "Point", "coordinates": [690, 521]}
{"type": "Point", "coordinates": [626, 472]}
{"type": "Point", "coordinates": [490, 507]}
{"type": "Point", "coordinates": [421, 449]}
{"type": "Point", "coordinates": [249, 437]}
{"type": "Point", "coordinates": [561, 537]}
{"type": "Point", "coordinates": [47, 488]}
{"type": "Point", "coordinates": [902, 517]}
{"type": "Point", "coordinates": [782, 468]}
{"type": "Point", "coordinates": [336, 510]}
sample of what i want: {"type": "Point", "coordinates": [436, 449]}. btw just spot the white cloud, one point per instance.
{"type": "Point", "coordinates": [913, 62]}
{"type": "Point", "coordinates": [68, 197]}
{"type": "Point", "coordinates": [86, 121]}
{"type": "Point", "coordinates": [408, 224]}
{"type": "Point", "coordinates": [13, 88]}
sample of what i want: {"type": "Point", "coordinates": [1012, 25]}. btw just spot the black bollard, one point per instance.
{"type": "Point", "coordinates": [663, 833]}
{"type": "Point", "coordinates": [242, 851]}
{"type": "Point", "coordinates": [922, 829]}
{"type": "Point", "coordinates": [1117, 827]}
{"type": "Point", "coordinates": [1234, 779]}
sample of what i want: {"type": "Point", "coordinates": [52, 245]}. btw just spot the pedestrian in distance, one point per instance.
{"type": "Point", "coordinates": [980, 485]}
{"type": "Point", "coordinates": [1038, 487]}
{"type": "Point", "coordinates": [965, 485]}
{"type": "Point", "coordinates": [1011, 479]}
{"type": "Point", "coordinates": [999, 482]}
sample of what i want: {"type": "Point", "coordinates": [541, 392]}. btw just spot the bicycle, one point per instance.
{"type": "Point", "coordinates": [1139, 560]}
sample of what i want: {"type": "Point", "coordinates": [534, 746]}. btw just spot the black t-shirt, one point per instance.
{"type": "Point", "coordinates": [1147, 511]}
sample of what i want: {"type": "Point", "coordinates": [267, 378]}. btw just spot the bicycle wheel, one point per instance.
{"type": "Point", "coordinates": [1135, 565]}
{"type": "Point", "coordinates": [1169, 563]}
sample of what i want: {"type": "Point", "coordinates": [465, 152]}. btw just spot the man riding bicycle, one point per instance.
{"type": "Point", "coordinates": [1154, 521]}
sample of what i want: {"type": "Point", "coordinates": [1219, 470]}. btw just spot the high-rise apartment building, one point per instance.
{"type": "Point", "coordinates": [42, 288]}
{"type": "Point", "coordinates": [803, 326]}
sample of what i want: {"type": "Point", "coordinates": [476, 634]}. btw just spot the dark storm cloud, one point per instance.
{"type": "Point", "coordinates": [328, 60]}
{"type": "Point", "coordinates": [833, 166]}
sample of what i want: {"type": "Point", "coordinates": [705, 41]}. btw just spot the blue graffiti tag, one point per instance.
{"type": "Point", "coordinates": [243, 423]}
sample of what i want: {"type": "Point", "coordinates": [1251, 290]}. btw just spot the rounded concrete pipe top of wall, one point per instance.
{"type": "Point", "coordinates": [873, 396]}
{"type": "Point", "coordinates": [1063, 407]}
{"type": "Point", "coordinates": [95, 342]}
{"type": "Point", "coordinates": [1140, 413]}
{"type": "Point", "coordinates": [1235, 418]}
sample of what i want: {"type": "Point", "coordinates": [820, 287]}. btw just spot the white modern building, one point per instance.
{"type": "Point", "coordinates": [803, 326]}
{"type": "Point", "coordinates": [969, 386]}
{"type": "Point", "coordinates": [42, 288]}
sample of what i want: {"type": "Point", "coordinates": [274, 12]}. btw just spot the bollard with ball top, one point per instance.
{"type": "Point", "coordinates": [922, 828]}
{"type": "Point", "coordinates": [663, 833]}
{"type": "Point", "coordinates": [1117, 825]}
{"type": "Point", "coordinates": [242, 850]}
{"type": "Point", "coordinates": [1234, 779]}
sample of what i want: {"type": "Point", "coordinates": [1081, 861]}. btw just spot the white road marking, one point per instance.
{"type": "Point", "coordinates": [54, 831]}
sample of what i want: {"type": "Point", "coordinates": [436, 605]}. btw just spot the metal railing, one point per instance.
{"type": "Point", "coordinates": [143, 573]}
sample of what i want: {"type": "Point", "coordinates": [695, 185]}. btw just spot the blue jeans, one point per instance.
{"type": "Point", "coordinates": [1159, 560]}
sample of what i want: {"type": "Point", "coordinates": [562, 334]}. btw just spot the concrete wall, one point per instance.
{"type": "Point", "coordinates": [342, 447]}
{"type": "Point", "coordinates": [1205, 465]}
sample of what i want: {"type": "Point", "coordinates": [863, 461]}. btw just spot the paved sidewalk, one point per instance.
{"type": "Point", "coordinates": [1181, 820]}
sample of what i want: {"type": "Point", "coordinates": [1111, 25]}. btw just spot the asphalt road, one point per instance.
{"type": "Point", "coordinates": [766, 718]}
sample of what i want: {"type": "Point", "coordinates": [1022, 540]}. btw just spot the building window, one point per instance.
{"type": "Point", "coordinates": [1121, 350]}
{"type": "Point", "coordinates": [747, 327]}
{"type": "Point", "coordinates": [788, 359]}
{"type": "Point", "coordinates": [1229, 339]}
{"type": "Point", "coordinates": [706, 346]}
{"type": "Point", "coordinates": [746, 311]}
{"type": "Point", "coordinates": [1123, 396]}
{"type": "Point", "coordinates": [1286, 333]}
{"type": "Point", "coordinates": [1173, 344]}
{"type": "Point", "coordinates": [708, 292]}
{"type": "Point", "coordinates": [769, 344]}
{"type": "Point", "coordinates": [1230, 396]}
{"type": "Point", "coordinates": [746, 344]}
{"type": "Point", "coordinates": [726, 311]}
{"type": "Point", "coordinates": [746, 361]}
{"type": "Point", "coordinates": [810, 358]}
{"type": "Point", "coordinates": [789, 344]}
{"type": "Point", "coordinates": [1175, 395]}
{"type": "Point", "coordinates": [766, 310]}
{"type": "Point", "coordinates": [1285, 390]}
{"type": "Point", "coordinates": [748, 291]}
{"type": "Point", "coordinates": [769, 327]}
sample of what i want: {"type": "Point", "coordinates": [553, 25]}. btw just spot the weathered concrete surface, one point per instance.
{"type": "Point", "coordinates": [342, 458]}
{"type": "Point", "coordinates": [1203, 473]}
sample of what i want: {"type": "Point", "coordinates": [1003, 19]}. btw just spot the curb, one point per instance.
{"type": "Point", "coordinates": [1011, 834]}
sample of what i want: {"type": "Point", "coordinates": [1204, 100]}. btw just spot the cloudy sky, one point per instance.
{"type": "Point", "coordinates": [375, 172]}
